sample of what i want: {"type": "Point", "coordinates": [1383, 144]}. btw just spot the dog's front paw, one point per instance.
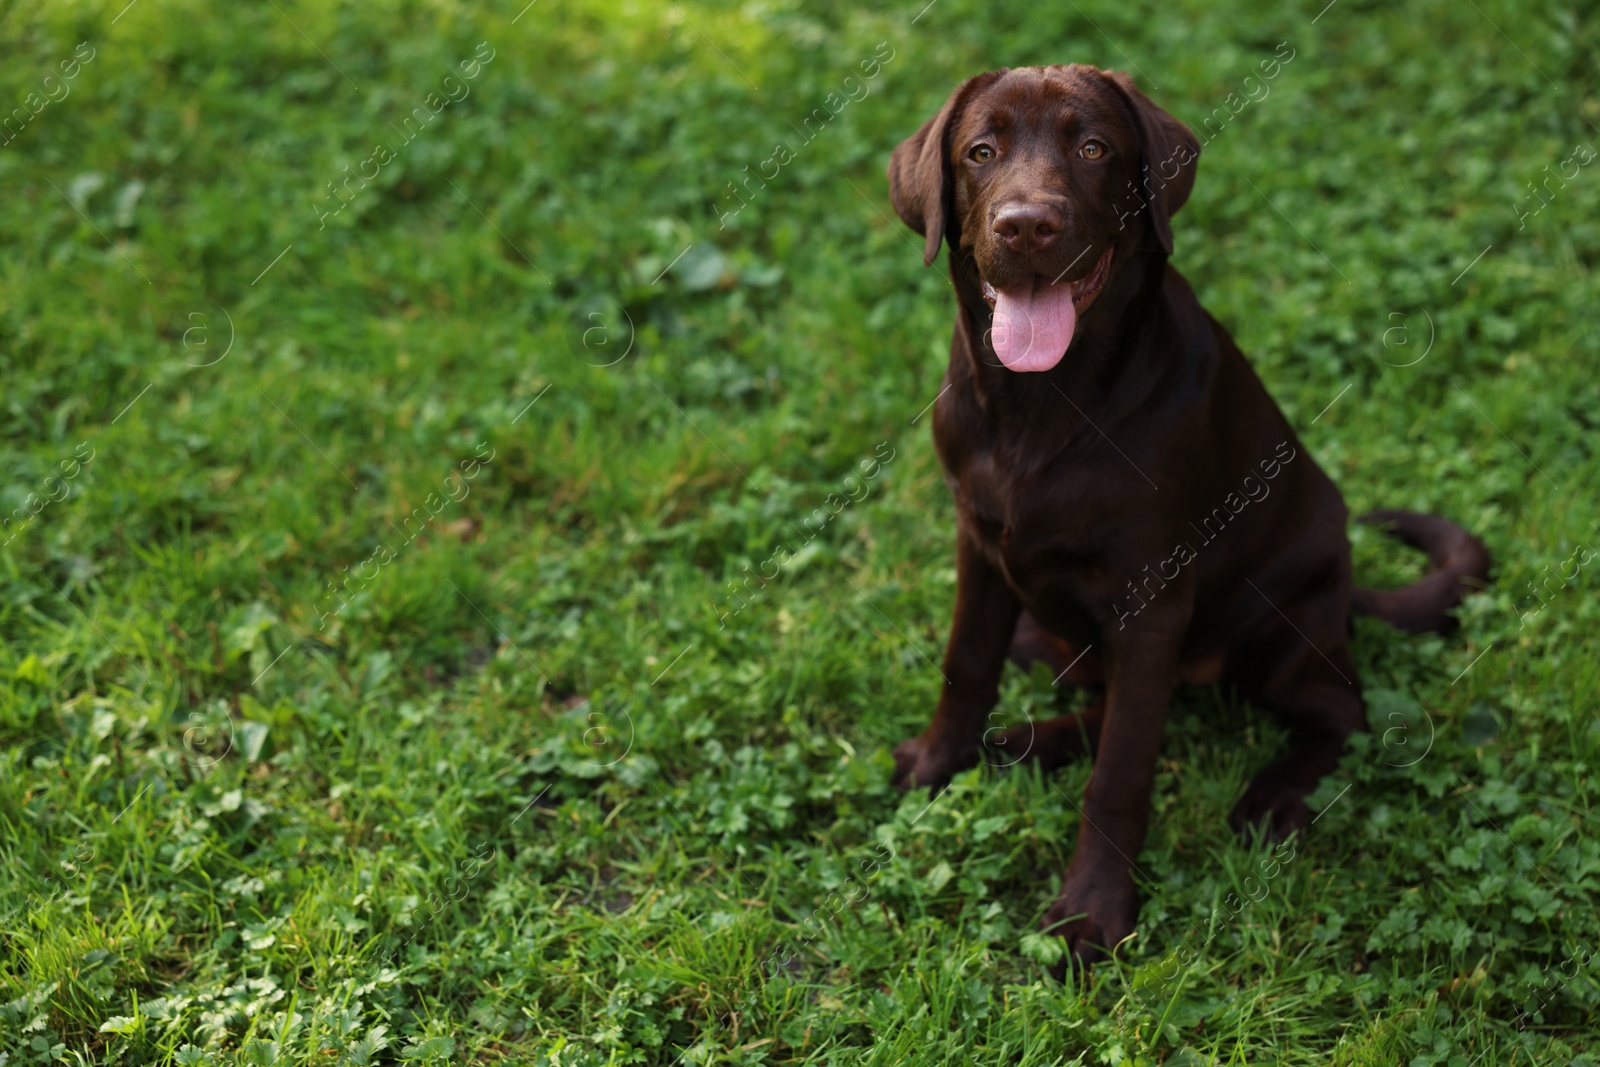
{"type": "Point", "coordinates": [1095, 911]}
{"type": "Point", "coordinates": [930, 761]}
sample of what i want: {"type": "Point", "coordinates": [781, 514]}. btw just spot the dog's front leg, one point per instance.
{"type": "Point", "coordinates": [980, 635]}
{"type": "Point", "coordinates": [1098, 903]}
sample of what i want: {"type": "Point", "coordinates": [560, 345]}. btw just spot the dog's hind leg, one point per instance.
{"type": "Point", "coordinates": [1068, 664]}
{"type": "Point", "coordinates": [1066, 738]}
{"type": "Point", "coordinates": [1317, 693]}
{"type": "Point", "coordinates": [1053, 743]}
{"type": "Point", "coordinates": [985, 620]}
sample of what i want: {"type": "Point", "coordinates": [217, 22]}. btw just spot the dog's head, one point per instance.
{"type": "Point", "coordinates": [1050, 178]}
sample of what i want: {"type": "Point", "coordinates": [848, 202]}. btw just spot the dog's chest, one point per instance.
{"type": "Point", "coordinates": [1042, 526]}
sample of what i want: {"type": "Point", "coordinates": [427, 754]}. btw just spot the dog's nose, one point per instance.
{"type": "Point", "coordinates": [1027, 227]}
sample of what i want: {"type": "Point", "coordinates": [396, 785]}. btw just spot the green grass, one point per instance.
{"type": "Point", "coordinates": [519, 797]}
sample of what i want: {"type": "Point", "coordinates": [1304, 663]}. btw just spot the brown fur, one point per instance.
{"type": "Point", "coordinates": [1076, 486]}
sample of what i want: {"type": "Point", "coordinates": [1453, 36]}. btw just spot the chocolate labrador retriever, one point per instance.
{"type": "Point", "coordinates": [1131, 505]}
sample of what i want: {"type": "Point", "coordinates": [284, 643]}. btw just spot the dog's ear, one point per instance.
{"type": "Point", "coordinates": [919, 170]}
{"type": "Point", "coordinates": [1171, 156]}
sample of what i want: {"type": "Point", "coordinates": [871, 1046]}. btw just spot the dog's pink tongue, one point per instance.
{"type": "Point", "coordinates": [1033, 325]}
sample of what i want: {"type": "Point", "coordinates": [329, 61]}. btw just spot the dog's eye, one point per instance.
{"type": "Point", "coordinates": [981, 154]}
{"type": "Point", "coordinates": [1092, 150]}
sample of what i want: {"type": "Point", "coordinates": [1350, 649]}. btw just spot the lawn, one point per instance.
{"type": "Point", "coordinates": [402, 402]}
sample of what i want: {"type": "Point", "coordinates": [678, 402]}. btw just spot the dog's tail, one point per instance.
{"type": "Point", "coordinates": [1460, 565]}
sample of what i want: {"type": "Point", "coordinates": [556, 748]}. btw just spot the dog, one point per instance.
{"type": "Point", "coordinates": [1131, 505]}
